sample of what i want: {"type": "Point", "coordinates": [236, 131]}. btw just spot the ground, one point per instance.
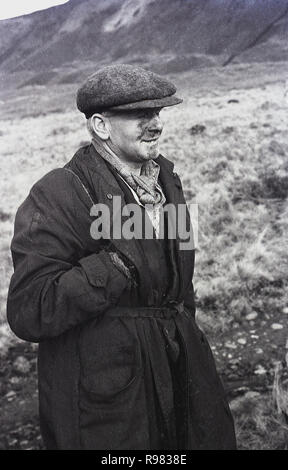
{"type": "Point", "coordinates": [229, 144]}
{"type": "Point", "coordinates": [19, 401]}
{"type": "Point", "coordinates": [246, 360]}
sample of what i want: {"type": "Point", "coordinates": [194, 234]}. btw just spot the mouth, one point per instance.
{"type": "Point", "coordinates": [150, 141]}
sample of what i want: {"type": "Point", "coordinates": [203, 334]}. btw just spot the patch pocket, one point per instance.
{"type": "Point", "coordinates": [110, 364]}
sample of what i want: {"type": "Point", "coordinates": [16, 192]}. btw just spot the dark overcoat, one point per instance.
{"type": "Point", "coordinates": [104, 376]}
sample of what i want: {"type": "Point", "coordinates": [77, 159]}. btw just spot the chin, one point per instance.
{"type": "Point", "coordinates": [149, 156]}
{"type": "Point", "coordinates": [149, 152]}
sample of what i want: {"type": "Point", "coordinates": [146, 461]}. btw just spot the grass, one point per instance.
{"type": "Point", "coordinates": [261, 420]}
{"type": "Point", "coordinates": [237, 173]}
{"type": "Point", "coordinates": [259, 426]}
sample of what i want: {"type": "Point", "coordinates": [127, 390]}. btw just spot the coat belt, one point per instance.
{"type": "Point", "coordinates": [166, 312]}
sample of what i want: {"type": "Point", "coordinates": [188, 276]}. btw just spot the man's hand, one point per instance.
{"type": "Point", "coordinates": [128, 272]}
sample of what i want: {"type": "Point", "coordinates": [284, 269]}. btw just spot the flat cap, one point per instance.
{"type": "Point", "coordinates": [125, 87]}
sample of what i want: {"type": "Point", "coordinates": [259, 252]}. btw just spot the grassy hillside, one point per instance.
{"type": "Point", "coordinates": [229, 144]}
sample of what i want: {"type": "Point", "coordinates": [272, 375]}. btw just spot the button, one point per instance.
{"type": "Point", "coordinates": [109, 196]}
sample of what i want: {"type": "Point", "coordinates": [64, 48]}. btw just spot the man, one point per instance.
{"type": "Point", "coordinates": [122, 364]}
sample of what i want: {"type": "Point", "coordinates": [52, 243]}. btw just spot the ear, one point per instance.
{"type": "Point", "coordinates": [99, 126]}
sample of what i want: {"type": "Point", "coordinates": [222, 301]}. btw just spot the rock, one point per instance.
{"type": "Point", "coordinates": [260, 370]}
{"type": "Point", "coordinates": [259, 351]}
{"type": "Point", "coordinates": [13, 443]}
{"type": "Point", "coordinates": [15, 380]}
{"type": "Point", "coordinates": [230, 345]}
{"type": "Point", "coordinates": [10, 394]}
{"type": "Point", "coordinates": [24, 443]}
{"type": "Point", "coordinates": [251, 316]}
{"type": "Point", "coordinates": [21, 365]}
{"type": "Point", "coordinates": [285, 310]}
{"type": "Point", "coordinates": [276, 326]}
{"type": "Point", "coordinates": [242, 341]}
{"type": "Point", "coordinates": [250, 395]}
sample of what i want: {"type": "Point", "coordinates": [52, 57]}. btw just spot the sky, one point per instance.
{"type": "Point", "coordinates": [12, 8]}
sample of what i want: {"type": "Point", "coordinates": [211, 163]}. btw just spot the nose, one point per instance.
{"type": "Point", "coordinates": [156, 124]}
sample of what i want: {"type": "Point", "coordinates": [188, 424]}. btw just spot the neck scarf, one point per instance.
{"type": "Point", "coordinates": [145, 185]}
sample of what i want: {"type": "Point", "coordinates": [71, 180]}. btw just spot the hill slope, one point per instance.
{"type": "Point", "coordinates": [183, 32]}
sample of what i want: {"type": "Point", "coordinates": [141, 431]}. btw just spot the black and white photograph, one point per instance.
{"type": "Point", "coordinates": [144, 227]}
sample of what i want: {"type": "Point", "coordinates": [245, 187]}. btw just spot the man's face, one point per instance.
{"type": "Point", "coordinates": [134, 135]}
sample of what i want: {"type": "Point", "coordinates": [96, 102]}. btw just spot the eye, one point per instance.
{"type": "Point", "coordinates": [144, 115]}
{"type": "Point", "coordinates": [154, 112]}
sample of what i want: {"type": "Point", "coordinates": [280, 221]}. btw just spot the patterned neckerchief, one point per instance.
{"type": "Point", "coordinates": [145, 185]}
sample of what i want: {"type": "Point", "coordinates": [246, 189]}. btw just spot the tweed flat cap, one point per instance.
{"type": "Point", "coordinates": [125, 87]}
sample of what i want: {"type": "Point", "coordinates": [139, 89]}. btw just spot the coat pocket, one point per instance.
{"type": "Point", "coordinates": [110, 360]}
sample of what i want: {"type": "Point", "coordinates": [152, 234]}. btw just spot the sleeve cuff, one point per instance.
{"type": "Point", "coordinates": [95, 268]}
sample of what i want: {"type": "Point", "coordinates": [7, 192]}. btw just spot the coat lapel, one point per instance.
{"type": "Point", "coordinates": [173, 191]}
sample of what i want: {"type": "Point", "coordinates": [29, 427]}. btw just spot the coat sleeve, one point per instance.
{"type": "Point", "coordinates": [52, 290]}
